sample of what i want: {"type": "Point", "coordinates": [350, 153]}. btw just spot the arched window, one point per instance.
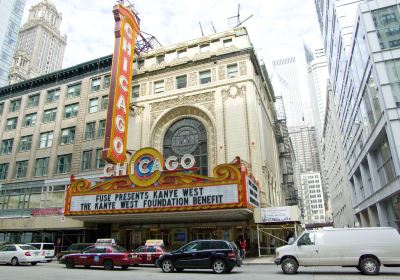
{"type": "Point", "coordinates": [187, 136]}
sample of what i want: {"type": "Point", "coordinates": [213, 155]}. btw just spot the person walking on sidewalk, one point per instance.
{"type": "Point", "coordinates": [242, 247]}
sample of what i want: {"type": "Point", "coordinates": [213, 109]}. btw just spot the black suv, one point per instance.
{"type": "Point", "coordinates": [219, 255]}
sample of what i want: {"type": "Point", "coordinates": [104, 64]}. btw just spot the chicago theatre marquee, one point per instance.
{"type": "Point", "coordinates": [191, 151]}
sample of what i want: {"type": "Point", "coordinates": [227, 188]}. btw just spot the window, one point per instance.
{"type": "Point", "coordinates": [227, 43]}
{"type": "Point", "coordinates": [104, 102]}
{"type": "Point", "coordinates": [306, 239]}
{"type": "Point", "coordinates": [160, 59]}
{"type": "Point", "coordinates": [102, 128]}
{"type": "Point", "coordinates": [387, 24]}
{"type": "Point", "coordinates": [86, 160]}
{"type": "Point", "coordinates": [49, 115]}
{"type": "Point", "coordinates": [159, 87]}
{"type": "Point", "coordinates": [93, 105]}
{"type": "Point", "coordinates": [90, 130]}
{"type": "Point", "coordinates": [73, 91]}
{"type": "Point", "coordinates": [25, 143]}
{"type": "Point", "coordinates": [95, 84]}
{"type": "Point", "coordinates": [41, 166]}
{"type": "Point", "coordinates": [181, 53]}
{"type": "Point", "coordinates": [33, 100]}
{"type": "Point", "coordinates": [30, 120]}
{"type": "Point", "coordinates": [53, 95]}
{"type": "Point", "coordinates": [67, 136]}
{"type": "Point", "coordinates": [187, 136]}
{"type": "Point", "coordinates": [384, 163]}
{"type": "Point", "coordinates": [11, 124]}
{"type": "Point", "coordinates": [181, 82]}
{"type": "Point", "coordinates": [205, 77]}
{"type": "Point", "coordinates": [3, 171]}
{"type": "Point", "coordinates": [1, 108]}
{"type": "Point", "coordinates": [46, 139]}
{"type": "Point", "coordinates": [106, 82]}
{"type": "Point", "coordinates": [140, 63]}
{"type": "Point", "coordinates": [100, 163]}
{"type": "Point", "coordinates": [6, 146]}
{"type": "Point", "coordinates": [232, 70]}
{"type": "Point", "coordinates": [71, 110]}
{"type": "Point", "coordinates": [15, 105]}
{"type": "Point", "coordinates": [21, 168]}
{"type": "Point", "coordinates": [204, 48]}
{"type": "Point", "coordinates": [63, 164]}
{"type": "Point", "coordinates": [135, 91]}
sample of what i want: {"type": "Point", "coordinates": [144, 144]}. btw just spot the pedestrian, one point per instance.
{"type": "Point", "coordinates": [243, 247]}
{"type": "Point", "coordinates": [273, 241]}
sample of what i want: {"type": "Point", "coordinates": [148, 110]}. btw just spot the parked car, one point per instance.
{"type": "Point", "coordinates": [47, 248]}
{"type": "Point", "coordinates": [107, 256]}
{"type": "Point", "coordinates": [147, 254]}
{"type": "Point", "coordinates": [363, 248]}
{"type": "Point", "coordinates": [15, 254]}
{"type": "Point", "coordinates": [219, 255]}
{"type": "Point", "coordinates": [73, 248]}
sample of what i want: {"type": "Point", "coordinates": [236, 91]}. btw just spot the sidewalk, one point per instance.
{"type": "Point", "coordinates": [267, 260]}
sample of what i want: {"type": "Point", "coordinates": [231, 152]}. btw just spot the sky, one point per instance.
{"type": "Point", "coordinates": [277, 28]}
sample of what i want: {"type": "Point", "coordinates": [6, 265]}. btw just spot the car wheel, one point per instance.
{"type": "Point", "coordinates": [369, 266]}
{"type": "Point", "coordinates": [124, 266]}
{"type": "Point", "coordinates": [167, 265]}
{"type": "Point", "coordinates": [14, 261]}
{"type": "Point", "coordinates": [48, 261]}
{"type": "Point", "coordinates": [219, 266]}
{"type": "Point", "coordinates": [33, 263]}
{"type": "Point", "coordinates": [228, 270]}
{"type": "Point", "coordinates": [69, 263]}
{"type": "Point", "coordinates": [108, 265]}
{"type": "Point", "coordinates": [289, 266]}
{"type": "Point", "coordinates": [179, 269]}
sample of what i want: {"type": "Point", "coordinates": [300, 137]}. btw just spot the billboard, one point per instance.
{"type": "Point", "coordinates": [126, 30]}
{"type": "Point", "coordinates": [277, 214]}
{"type": "Point", "coordinates": [172, 191]}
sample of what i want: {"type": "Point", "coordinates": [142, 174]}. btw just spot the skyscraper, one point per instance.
{"type": "Point", "coordinates": [10, 20]}
{"type": "Point", "coordinates": [286, 84]}
{"type": "Point", "coordinates": [317, 74]}
{"type": "Point", "coordinates": [40, 47]}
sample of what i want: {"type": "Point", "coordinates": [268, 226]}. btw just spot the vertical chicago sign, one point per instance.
{"type": "Point", "coordinates": [126, 30]}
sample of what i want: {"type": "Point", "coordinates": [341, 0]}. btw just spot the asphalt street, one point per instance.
{"type": "Point", "coordinates": [51, 271]}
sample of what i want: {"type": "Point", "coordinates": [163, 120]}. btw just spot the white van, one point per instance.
{"type": "Point", "coordinates": [364, 248]}
{"type": "Point", "coordinates": [47, 248]}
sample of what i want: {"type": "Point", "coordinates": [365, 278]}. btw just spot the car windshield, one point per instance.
{"type": "Point", "coordinates": [27, 247]}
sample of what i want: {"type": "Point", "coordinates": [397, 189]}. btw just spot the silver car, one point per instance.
{"type": "Point", "coordinates": [15, 254]}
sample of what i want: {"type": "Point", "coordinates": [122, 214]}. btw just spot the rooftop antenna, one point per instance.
{"type": "Point", "coordinates": [201, 29]}
{"type": "Point", "coordinates": [212, 24]}
{"type": "Point", "coordinates": [235, 20]}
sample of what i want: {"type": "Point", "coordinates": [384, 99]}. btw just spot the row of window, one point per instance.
{"type": "Point", "coordinates": [70, 111]}
{"type": "Point", "coordinates": [182, 81]}
{"type": "Point", "coordinates": [42, 165]}
{"type": "Point", "coordinates": [53, 95]}
{"type": "Point", "coordinates": [182, 53]}
{"type": "Point", "coordinates": [46, 138]}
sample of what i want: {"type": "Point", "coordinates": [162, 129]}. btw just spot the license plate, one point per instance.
{"type": "Point", "coordinates": [134, 257]}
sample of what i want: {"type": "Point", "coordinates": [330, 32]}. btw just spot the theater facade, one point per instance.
{"type": "Point", "coordinates": [206, 106]}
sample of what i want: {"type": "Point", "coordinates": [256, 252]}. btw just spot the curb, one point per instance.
{"type": "Point", "coordinates": [258, 263]}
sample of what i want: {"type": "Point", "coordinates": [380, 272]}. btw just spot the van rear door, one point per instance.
{"type": "Point", "coordinates": [307, 249]}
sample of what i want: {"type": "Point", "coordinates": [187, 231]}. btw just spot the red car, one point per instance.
{"type": "Point", "coordinates": [107, 256]}
{"type": "Point", "coordinates": [147, 254]}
